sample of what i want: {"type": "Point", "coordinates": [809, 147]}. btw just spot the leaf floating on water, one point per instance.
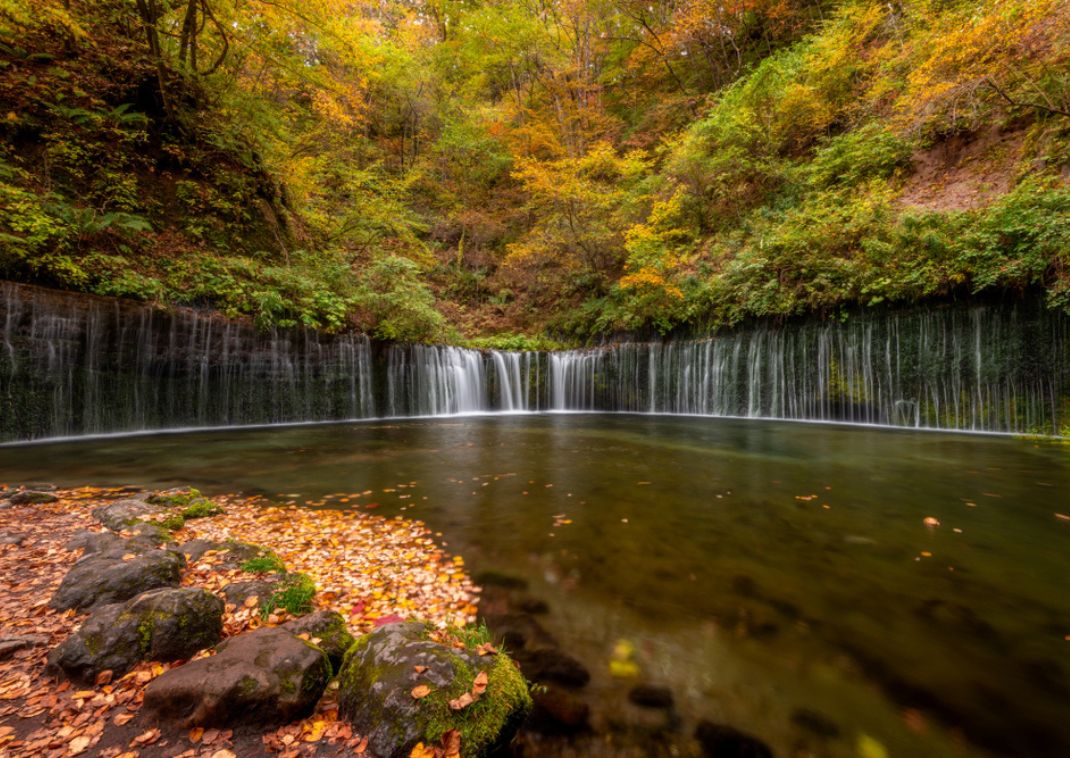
{"type": "Point", "coordinates": [870, 748]}
{"type": "Point", "coordinates": [1062, 517]}
{"type": "Point", "coordinates": [931, 521]}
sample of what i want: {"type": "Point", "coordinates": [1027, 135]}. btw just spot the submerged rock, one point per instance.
{"type": "Point", "coordinates": [376, 693]}
{"type": "Point", "coordinates": [268, 676]}
{"type": "Point", "coordinates": [720, 741]}
{"type": "Point", "coordinates": [108, 578]}
{"type": "Point", "coordinates": [160, 625]}
{"type": "Point", "coordinates": [557, 712]}
{"type": "Point", "coordinates": [650, 696]}
{"type": "Point", "coordinates": [552, 665]}
{"type": "Point", "coordinates": [327, 630]}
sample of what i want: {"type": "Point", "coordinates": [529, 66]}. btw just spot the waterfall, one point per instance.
{"type": "Point", "coordinates": [75, 364]}
{"type": "Point", "coordinates": [81, 365]}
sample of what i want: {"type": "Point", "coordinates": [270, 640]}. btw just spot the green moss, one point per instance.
{"type": "Point", "coordinates": [201, 508]}
{"type": "Point", "coordinates": [173, 523]}
{"type": "Point", "coordinates": [176, 497]}
{"type": "Point", "coordinates": [504, 704]}
{"type": "Point", "coordinates": [294, 595]}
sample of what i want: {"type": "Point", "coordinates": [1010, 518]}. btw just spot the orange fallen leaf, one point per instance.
{"type": "Point", "coordinates": [479, 686]}
{"type": "Point", "coordinates": [78, 745]}
{"type": "Point", "coordinates": [422, 751]}
{"type": "Point", "coordinates": [122, 719]}
{"type": "Point", "coordinates": [104, 677]}
{"type": "Point", "coordinates": [146, 738]}
{"type": "Point", "coordinates": [421, 691]}
{"type": "Point", "coordinates": [462, 702]}
{"type": "Point", "coordinates": [419, 669]}
{"type": "Point", "coordinates": [195, 734]}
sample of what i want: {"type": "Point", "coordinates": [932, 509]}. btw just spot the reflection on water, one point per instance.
{"type": "Point", "coordinates": [907, 587]}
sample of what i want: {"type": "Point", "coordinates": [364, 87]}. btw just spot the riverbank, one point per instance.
{"type": "Point", "coordinates": [267, 565]}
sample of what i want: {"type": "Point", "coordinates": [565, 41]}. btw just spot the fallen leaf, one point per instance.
{"type": "Point", "coordinates": [78, 745]}
{"type": "Point", "coordinates": [479, 686]}
{"type": "Point", "coordinates": [421, 691]}
{"type": "Point", "coordinates": [195, 734]}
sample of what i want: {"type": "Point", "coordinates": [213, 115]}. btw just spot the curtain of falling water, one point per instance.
{"type": "Point", "coordinates": [73, 364]}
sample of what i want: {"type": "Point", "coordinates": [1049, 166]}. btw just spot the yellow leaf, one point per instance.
{"type": "Point", "coordinates": [78, 745]}
{"type": "Point", "coordinates": [870, 748]}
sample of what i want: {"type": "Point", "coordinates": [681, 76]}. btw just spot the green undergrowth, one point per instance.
{"type": "Point", "coordinates": [268, 563]}
{"type": "Point", "coordinates": [295, 594]}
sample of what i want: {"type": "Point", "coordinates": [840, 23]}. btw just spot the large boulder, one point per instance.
{"type": "Point", "coordinates": [159, 625]}
{"type": "Point", "coordinates": [325, 629]}
{"type": "Point", "coordinates": [123, 514]}
{"type": "Point", "coordinates": [267, 676]}
{"type": "Point", "coordinates": [112, 578]}
{"type": "Point", "coordinates": [376, 693]}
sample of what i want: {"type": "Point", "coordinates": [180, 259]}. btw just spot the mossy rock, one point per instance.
{"type": "Point", "coordinates": [125, 513]}
{"type": "Point", "coordinates": [175, 497]}
{"type": "Point", "coordinates": [160, 625]}
{"type": "Point", "coordinates": [327, 630]}
{"type": "Point", "coordinates": [379, 674]}
{"type": "Point", "coordinates": [104, 578]}
{"type": "Point", "coordinates": [267, 676]}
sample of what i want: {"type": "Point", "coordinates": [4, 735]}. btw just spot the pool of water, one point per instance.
{"type": "Point", "coordinates": [911, 588]}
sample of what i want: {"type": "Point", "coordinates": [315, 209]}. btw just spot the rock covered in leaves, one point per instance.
{"type": "Point", "coordinates": [327, 630]}
{"type": "Point", "coordinates": [110, 577]}
{"type": "Point", "coordinates": [159, 625]}
{"type": "Point", "coordinates": [399, 689]}
{"type": "Point", "coordinates": [265, 676]}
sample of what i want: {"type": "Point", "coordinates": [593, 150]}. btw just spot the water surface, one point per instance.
{"type": "Point", "coordinates": [761, 569]}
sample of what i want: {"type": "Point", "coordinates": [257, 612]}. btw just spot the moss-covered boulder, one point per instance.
{"type": "Point", "coordinates": [110, 577]}
{"type": "Point", "coordinates": [378, 693]}
{"type": "Point", "coordinates": [160, 625]}
{"type": "Point", "coordinates": [268, 676]}
{"type": "Point", "coordinates": [325, 629]}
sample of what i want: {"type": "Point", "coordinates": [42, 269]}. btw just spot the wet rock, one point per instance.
{"type": "Point", "coordinates": [815, 723]}
{"type": "Point", "coordinates": [125, 513]}
{"type": "Point", "coordinates": [267, 676]}
{"type": "Point", "coordinates": [11, 644]}
{"type": "Point", "coordinates": [95, 542]}
{"type": "Point", "coordinates": [552, 665]}
{"type": "Point", "coordinates": [159, 625]}
{"type": "Point", "coordinates": [153, 533]}
{"type": "Point", "coordinates": [103, 579]}
{"type": "Point", "coordinates": [719, 741]}
{"type": "Point", "coordinates": [231, 554]}
{"type": "Point", "coordinates": [557, 712]}
{"type": "Point", "coordinates": [238, 592]}
{"type": "Point", "coordinates": [378, 677]}
{"type": "Point", "coordinates": [518, 630]}
{"type": "Point", "coordinates": [328, 631]}
{"type": "Point", "coordinates": [32, 497]}
{"type": "Point", "coordinates": [498, 579]}
{"type": "Point", "coordinates": [40, 486]}
{"type": "Point", "coordinates": [651, 696]}
{"type": "Point", "coordinates": [194, 550]}
{"type": "Point", "coordinates": [534, 606]}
